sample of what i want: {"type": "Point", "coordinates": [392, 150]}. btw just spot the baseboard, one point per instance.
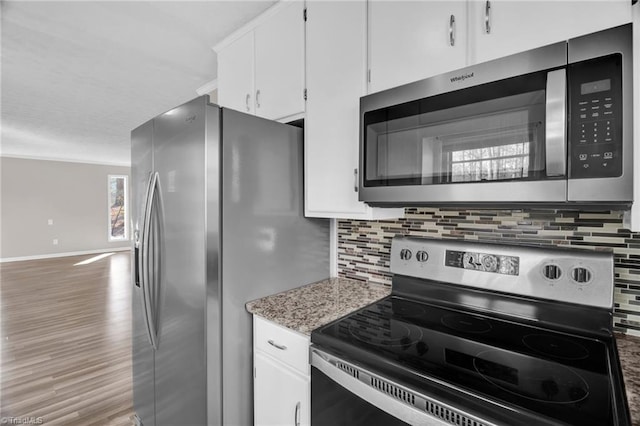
{"type": "Point", "coordinates": [72, 253]}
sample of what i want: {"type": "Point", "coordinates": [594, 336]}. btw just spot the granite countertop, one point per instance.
{"type": "Point", "coordinates": [629, 350]}
{"type": "Point", "coordinates": [306, 308]}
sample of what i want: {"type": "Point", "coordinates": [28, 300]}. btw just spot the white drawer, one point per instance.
{"type": "Point", "coordinates": [286, 345]}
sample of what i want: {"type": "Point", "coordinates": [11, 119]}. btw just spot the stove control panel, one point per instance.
{"type": "Point", "coordinates": [486, 262]}
{"type": "Point", "coordinates": [559, 274]}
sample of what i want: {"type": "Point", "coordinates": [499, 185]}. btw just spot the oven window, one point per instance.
{"type": "Point", "coordinates": [433, 141]}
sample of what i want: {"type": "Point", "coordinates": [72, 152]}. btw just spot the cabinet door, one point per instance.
{"type": "Point", "coordinates": [281, 396]}
{"type": "Point", "coordinates": [336, 69]}
{"type": "Point", "coordinates": [279, 57]}
{"type": "Point", "coordinates": [411, 40]}
{"type": "Point", "coordinates": [235, 75]}
{"type": "Point", "coordinates": [516, 26]}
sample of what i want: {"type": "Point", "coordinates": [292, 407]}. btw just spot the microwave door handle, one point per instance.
{"type": "Point", "coordinates": [556, 123]}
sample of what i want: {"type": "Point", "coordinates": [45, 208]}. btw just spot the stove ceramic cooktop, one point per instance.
{"type": "Point", "coordinates": [562, 376]}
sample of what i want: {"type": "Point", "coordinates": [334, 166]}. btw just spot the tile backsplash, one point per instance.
{"type": "Point", "coordinates": [364, 246]}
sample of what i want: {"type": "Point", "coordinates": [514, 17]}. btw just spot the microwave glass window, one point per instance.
{"type": "Point", "coordinates": [498, 139]}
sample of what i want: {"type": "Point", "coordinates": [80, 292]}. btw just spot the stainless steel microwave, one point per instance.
{"type": "Point", "coordinates": [548, 126]}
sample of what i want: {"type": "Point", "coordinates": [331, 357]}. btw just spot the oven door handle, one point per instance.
{"type": "Point", "coordinates": [347, 379]}
{"type": "Point", "coordinates": [556, 123]}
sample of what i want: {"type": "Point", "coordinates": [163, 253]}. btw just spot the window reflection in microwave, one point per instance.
{"type": "Point", "coordinates": [496, 155]}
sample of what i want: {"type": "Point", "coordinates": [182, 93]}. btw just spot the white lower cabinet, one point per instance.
{"type": "Point", "coordinates": [281, 384]}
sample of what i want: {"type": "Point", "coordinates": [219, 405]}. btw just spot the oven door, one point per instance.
{"type": "Point", "coordinates": [500, 141]}
{"type": "Point", "coordinates": [344, 394]}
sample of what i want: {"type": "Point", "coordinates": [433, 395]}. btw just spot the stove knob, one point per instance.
{"type": "Point", "coordinates": [405, 254]}
{"type": "Point", "coordinates": [552, 272]}
{"type": "Point", "coordinates": [581, 275]}
{"type": "Point", "coordinates": [422, 256]}
{"type": "Point", "coordinates": [490, 263]}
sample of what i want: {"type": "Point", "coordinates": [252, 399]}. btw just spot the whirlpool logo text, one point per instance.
{"type": "Point", "coordinates": [461, 77]}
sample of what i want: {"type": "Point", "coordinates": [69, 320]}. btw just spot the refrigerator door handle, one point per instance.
{"type": "Point", "coordinates": [145, 259]}
{"type": "Point", "coordinates": [136, 257]}
{"type": "Point", "coordinates": [156, 259]}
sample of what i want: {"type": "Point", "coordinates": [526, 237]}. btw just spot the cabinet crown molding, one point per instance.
{"type": "Point", "coordinates": [253, 24]}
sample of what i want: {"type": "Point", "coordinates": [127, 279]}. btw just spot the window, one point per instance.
{"type": "Point", "coordinates": [118, 211]}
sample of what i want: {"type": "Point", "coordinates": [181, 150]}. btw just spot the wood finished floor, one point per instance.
{"type": "Point", "coordinates": [66, 341]}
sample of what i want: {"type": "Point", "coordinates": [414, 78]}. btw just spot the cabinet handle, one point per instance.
{"type": "Point", "coordinates": [296, 415]}
{"type": "Point", "coordinates": [452, 26]}
{"type": "Point", "coordinates": [277, 346]}
{"type": "Point", "coordinates": [246, 100]}
{"type": "Point", "coordinates": [355, 180]}
{"type": "Point", "coordinates": [258, 99]}
{"type": "Point", "coordinates": [487, 21]}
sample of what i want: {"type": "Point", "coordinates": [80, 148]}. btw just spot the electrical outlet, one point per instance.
{"type": "Point", "coordinates": [55, 241]}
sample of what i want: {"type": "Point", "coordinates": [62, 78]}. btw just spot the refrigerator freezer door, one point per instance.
{"type": "Point", "coordinates": [142, 352]}
{"type": "Point", "coordinates": [267, 244]}
{"type": "Point", "coordinates": [180, 363]}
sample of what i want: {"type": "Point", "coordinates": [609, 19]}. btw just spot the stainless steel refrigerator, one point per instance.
{"type": "Point", "coordinates": [217, 212]}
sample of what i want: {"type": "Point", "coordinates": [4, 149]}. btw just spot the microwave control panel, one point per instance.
{"type": "Point", "coordinates": [595, 105]}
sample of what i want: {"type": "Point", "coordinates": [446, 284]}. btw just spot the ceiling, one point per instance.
{"type": "Point", "coordinates": [78, 76]}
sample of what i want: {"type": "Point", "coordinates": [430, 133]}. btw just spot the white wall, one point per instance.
{"type": "Point", "coordinates": [74, 195]}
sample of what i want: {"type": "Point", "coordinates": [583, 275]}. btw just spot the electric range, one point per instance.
{"type": "Point", "coordinates": [476, 335]}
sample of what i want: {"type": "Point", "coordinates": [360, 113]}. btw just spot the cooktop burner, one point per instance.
{"type": "Point", "coordinates": [554, 346]}
{"type": "Point", "coordinates": [375, 327]}
{"type": "Point", "coordinates": [543, 383]}
{"type": "Point", "coordinates": [466, 323]}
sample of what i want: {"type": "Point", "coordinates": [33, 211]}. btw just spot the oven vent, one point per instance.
{"type": "Point", "coordinates": [450, 416]}
{"type": "Point", "coordinates": [393, 391]}
{"type": "Point", "coordinates": [348, 369]}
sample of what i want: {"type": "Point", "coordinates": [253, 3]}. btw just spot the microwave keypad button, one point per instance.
{"type": "Point", "coordinates": [583, 115]}
{"type": "Point", "coordinates": [608, 155]}
{"type": "Point", "coordinates": [583, 103]}
{"type": "Point", "coordinates": [595, 101]}
{"type": "Point", "coordinates": [595, 114]}
{"type": "Point", "coordinates": [608, 105]}
{"type": "Point", "coordinates": [582, 157]}
{"type": "Point", "coordinates": [595, 107]}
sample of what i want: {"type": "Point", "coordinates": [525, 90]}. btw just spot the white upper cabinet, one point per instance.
{"type": "Point", "coordinates": [502, 27]}
{"type": "Point", "coordinates": [279, 63]}
{"type": "Point", "coordinates": [412, 40]}
{"type": "Point", "coordinates": [261, 66]}
{"type": "Point", "coordinates": [336, 79]}
{"type": "Point", "coordinates": [235, 72]}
